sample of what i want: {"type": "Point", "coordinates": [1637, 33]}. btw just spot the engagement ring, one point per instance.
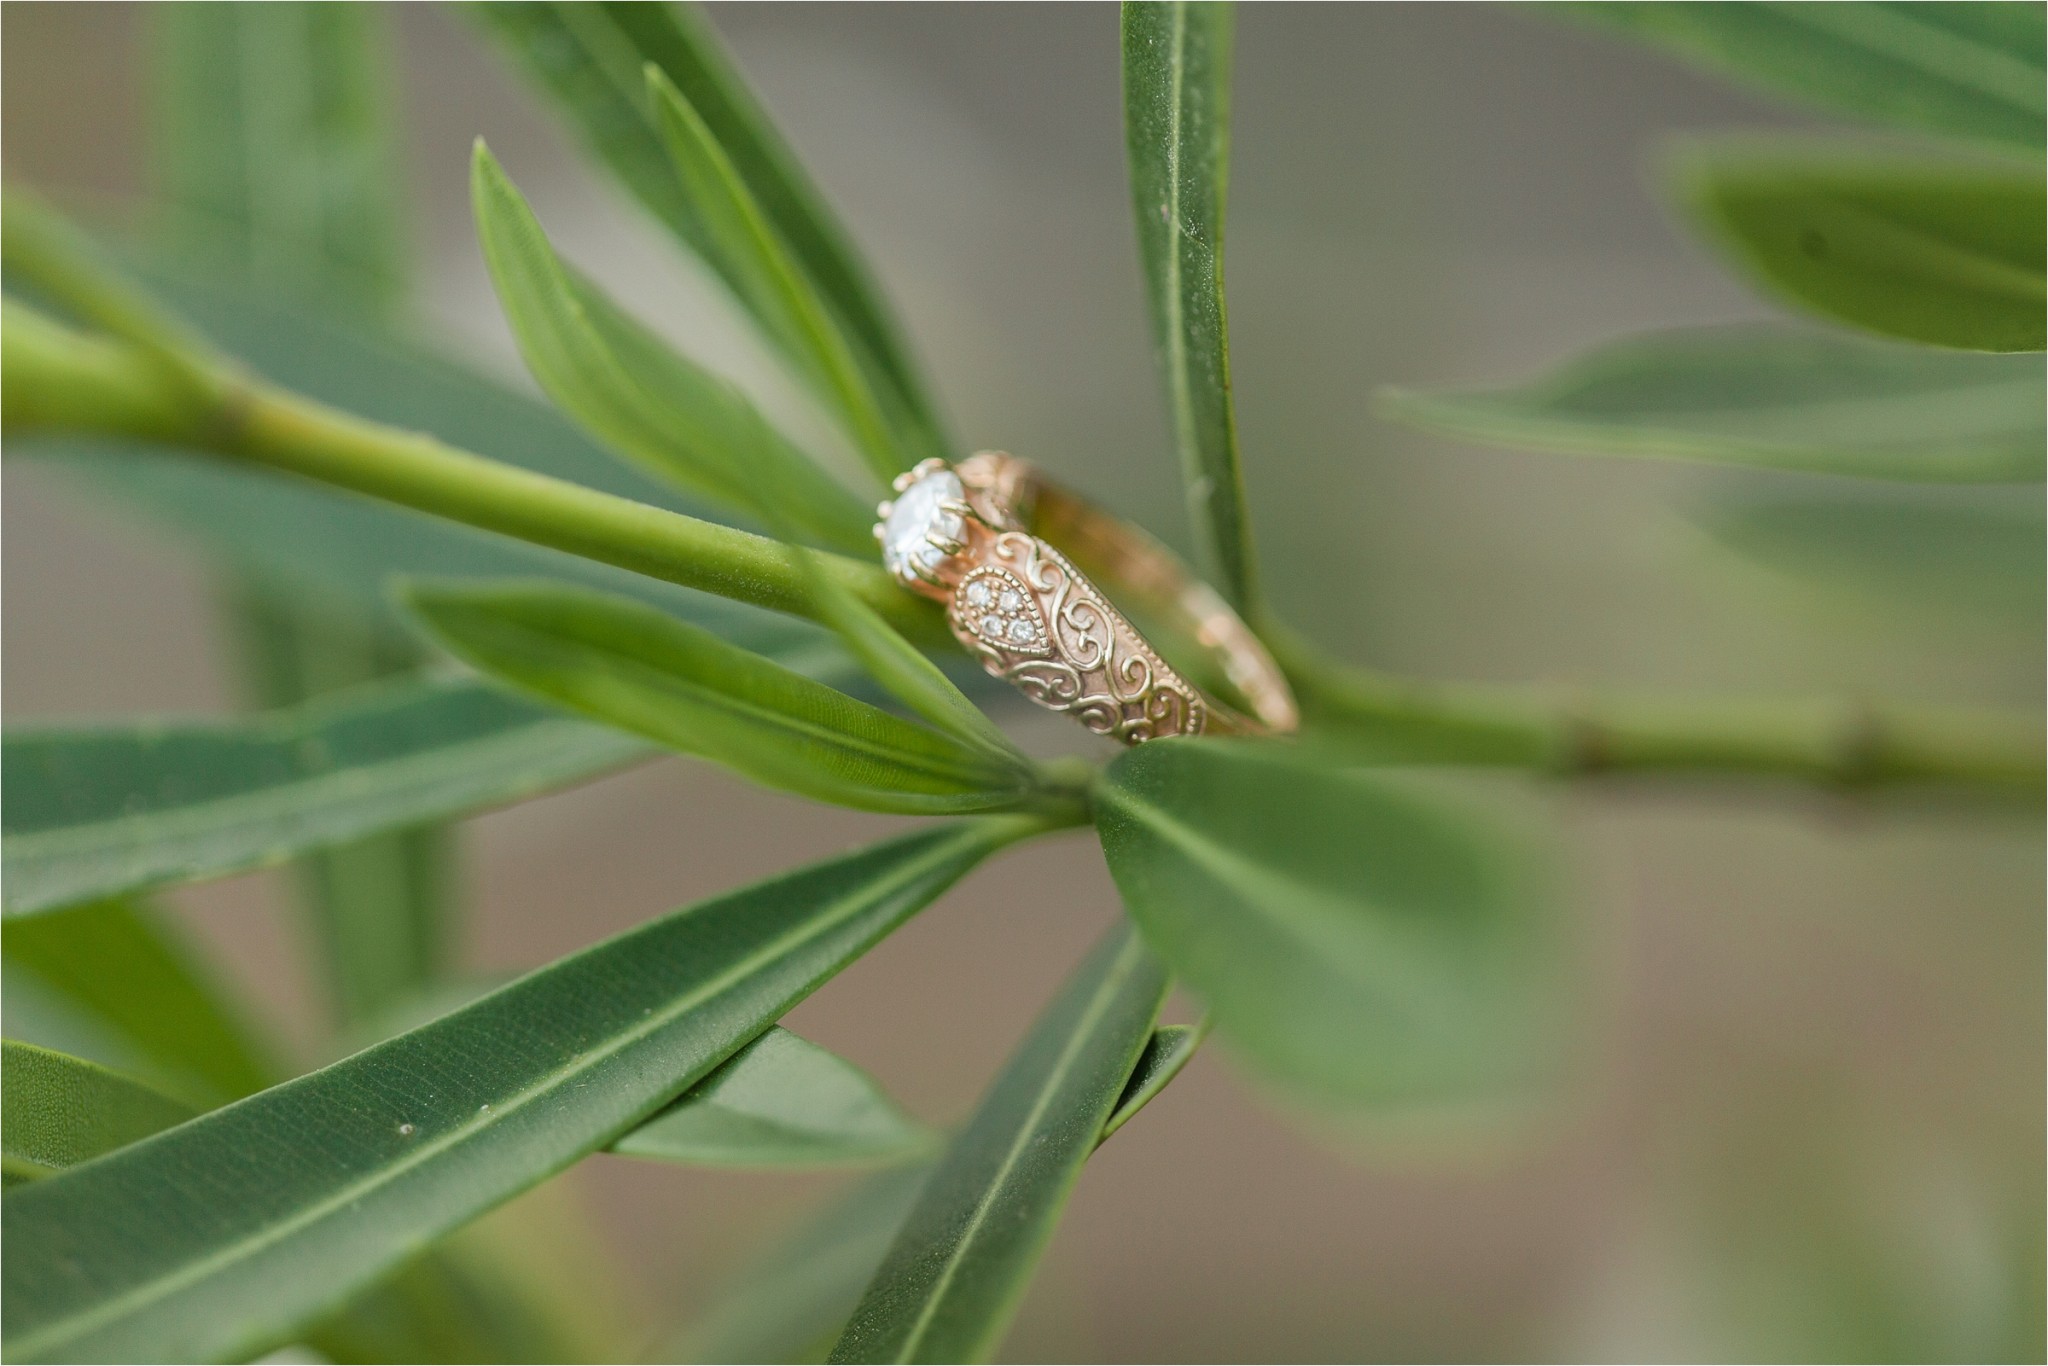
{"type": "Point", "coordinates": [969, 536]}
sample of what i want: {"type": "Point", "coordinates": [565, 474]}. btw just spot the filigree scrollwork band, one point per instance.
{"type": "Point", "coordinates": [1091, 664]}
{"type": "Point", "coordinates": [961, 535]}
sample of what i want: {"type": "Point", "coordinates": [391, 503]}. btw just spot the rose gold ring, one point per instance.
{"type": "Point", "coordinates": [970, 536]}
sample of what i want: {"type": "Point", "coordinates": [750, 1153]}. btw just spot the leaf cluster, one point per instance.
{"type": "Point", "coordinates": [1371, 943]}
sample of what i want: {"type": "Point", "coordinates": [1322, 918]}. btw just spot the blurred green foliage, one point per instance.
{"type": "Point", "coordinates": [1369, 941]}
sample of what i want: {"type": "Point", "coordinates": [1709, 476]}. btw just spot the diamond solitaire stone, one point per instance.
{"type": "Point", "coordinates": [916, 518]}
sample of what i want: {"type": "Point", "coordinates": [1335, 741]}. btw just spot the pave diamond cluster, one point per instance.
{"type": "Point", "coordinates": [923, 525]}
{"type": "Point", "coordinates": [1000, 610]}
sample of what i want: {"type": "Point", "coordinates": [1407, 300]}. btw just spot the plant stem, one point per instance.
{"type": "Point", "coordinates": [1841, 743]}
{"type": "Point", "coordinates": [54, 377]}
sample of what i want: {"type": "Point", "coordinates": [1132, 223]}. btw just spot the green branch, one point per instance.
{"type": "Point", "coordinates": [1838, 743]}
{"type": "Point", "coordinates": [53, 377]}
{"type": "Point", "coordinates": [56, 378]}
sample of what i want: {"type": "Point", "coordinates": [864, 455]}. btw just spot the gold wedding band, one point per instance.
{"type": "Point", "coordinates": [970, 536]}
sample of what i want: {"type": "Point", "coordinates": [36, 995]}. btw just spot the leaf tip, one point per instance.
{"type": "Point", "coordinates": [487, 179]}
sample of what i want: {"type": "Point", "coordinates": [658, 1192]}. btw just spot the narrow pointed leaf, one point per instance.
{"type": "Point", "coordinates": [1170, 1048]}
{"type": "Point", "coordinates": [746, 250]}
{"type": "Point", "coordinates": [792, 1304]}
{"type": "Point", "coordinates": [631, 390]}
{"type": "Point", "coordinates": [1967, 70]}
{"type": "Point", "coordinates": [93, 812]}
{"type": "Point", "coordinates": [632, 667]}
{"type": "Point", "coordinates": [952, 1280]}
{"type": "Point", "coordinates": [1945, 253]}
{"type": "Point", "coordinates": [125, 965]}
{"type": "Point", "coordinates": [1358, 942]}
{"type": "Point", "coordinates": [1771, 397]}
{"type": "Point", "coordinates": [592, 59]}
{"type": "Point", "coordinates": [57, 1111]}
{"type": "Point", "coordinates": [222, 1237]}
{"type": "Point", "coordinates": [451, 1304]}
{"type": "Point", "coordinates": [1176, 56]}
{"type": "Point", "coordinates": [781, 1101]}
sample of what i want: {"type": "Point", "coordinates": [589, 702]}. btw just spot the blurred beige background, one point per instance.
{"type": "Point", "coordinates": [1810, 1124]}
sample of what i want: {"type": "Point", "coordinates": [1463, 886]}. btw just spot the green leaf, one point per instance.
{"type": "Point", "coordinates": [92, 812]}
{"type": "Point", "coordinates": [1965, 70]}
{"type": "Point", "coordinates": [951, 1282]}
{"type": "Point", "coordinates": [274, 155]}
{"type": "Point", "coordinates": [121, 966]}
{"type": "Point", "coordinates": [218, 1239]}
{"type": "Point", "coordinates": [1168, 1050]}
{"type": "Point", "coordinates": [745, 249]}
{"type": "Point", "coordinates": [124, 965]}
{"type": "Point", "coordinates": [1176, 57]}
{"type": "Point", "coordinates": [57, 1111]}
{"type": "Point", "coordinates": [781, 1102]}
{"type": "Point", "coordinates": [1359, 943]}
{"type": "Point", "coordinates": [1940, 252]}
{"type": "Point", "coordinates": [1770, 397]}
{"type": "Point", "coordinates": [1943, 559]}
{"type": "Point", "coordinates": [792, 1303]}
{"type": "Point", "coordinates": [630, 389]}
{"type": "Point", "coordinates": [592, 59]}
{"type": "Point", "coordinates": [629, 666]}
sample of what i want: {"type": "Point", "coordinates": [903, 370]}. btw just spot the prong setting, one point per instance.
{"type": "Point", "coordinates": [925, 524]}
